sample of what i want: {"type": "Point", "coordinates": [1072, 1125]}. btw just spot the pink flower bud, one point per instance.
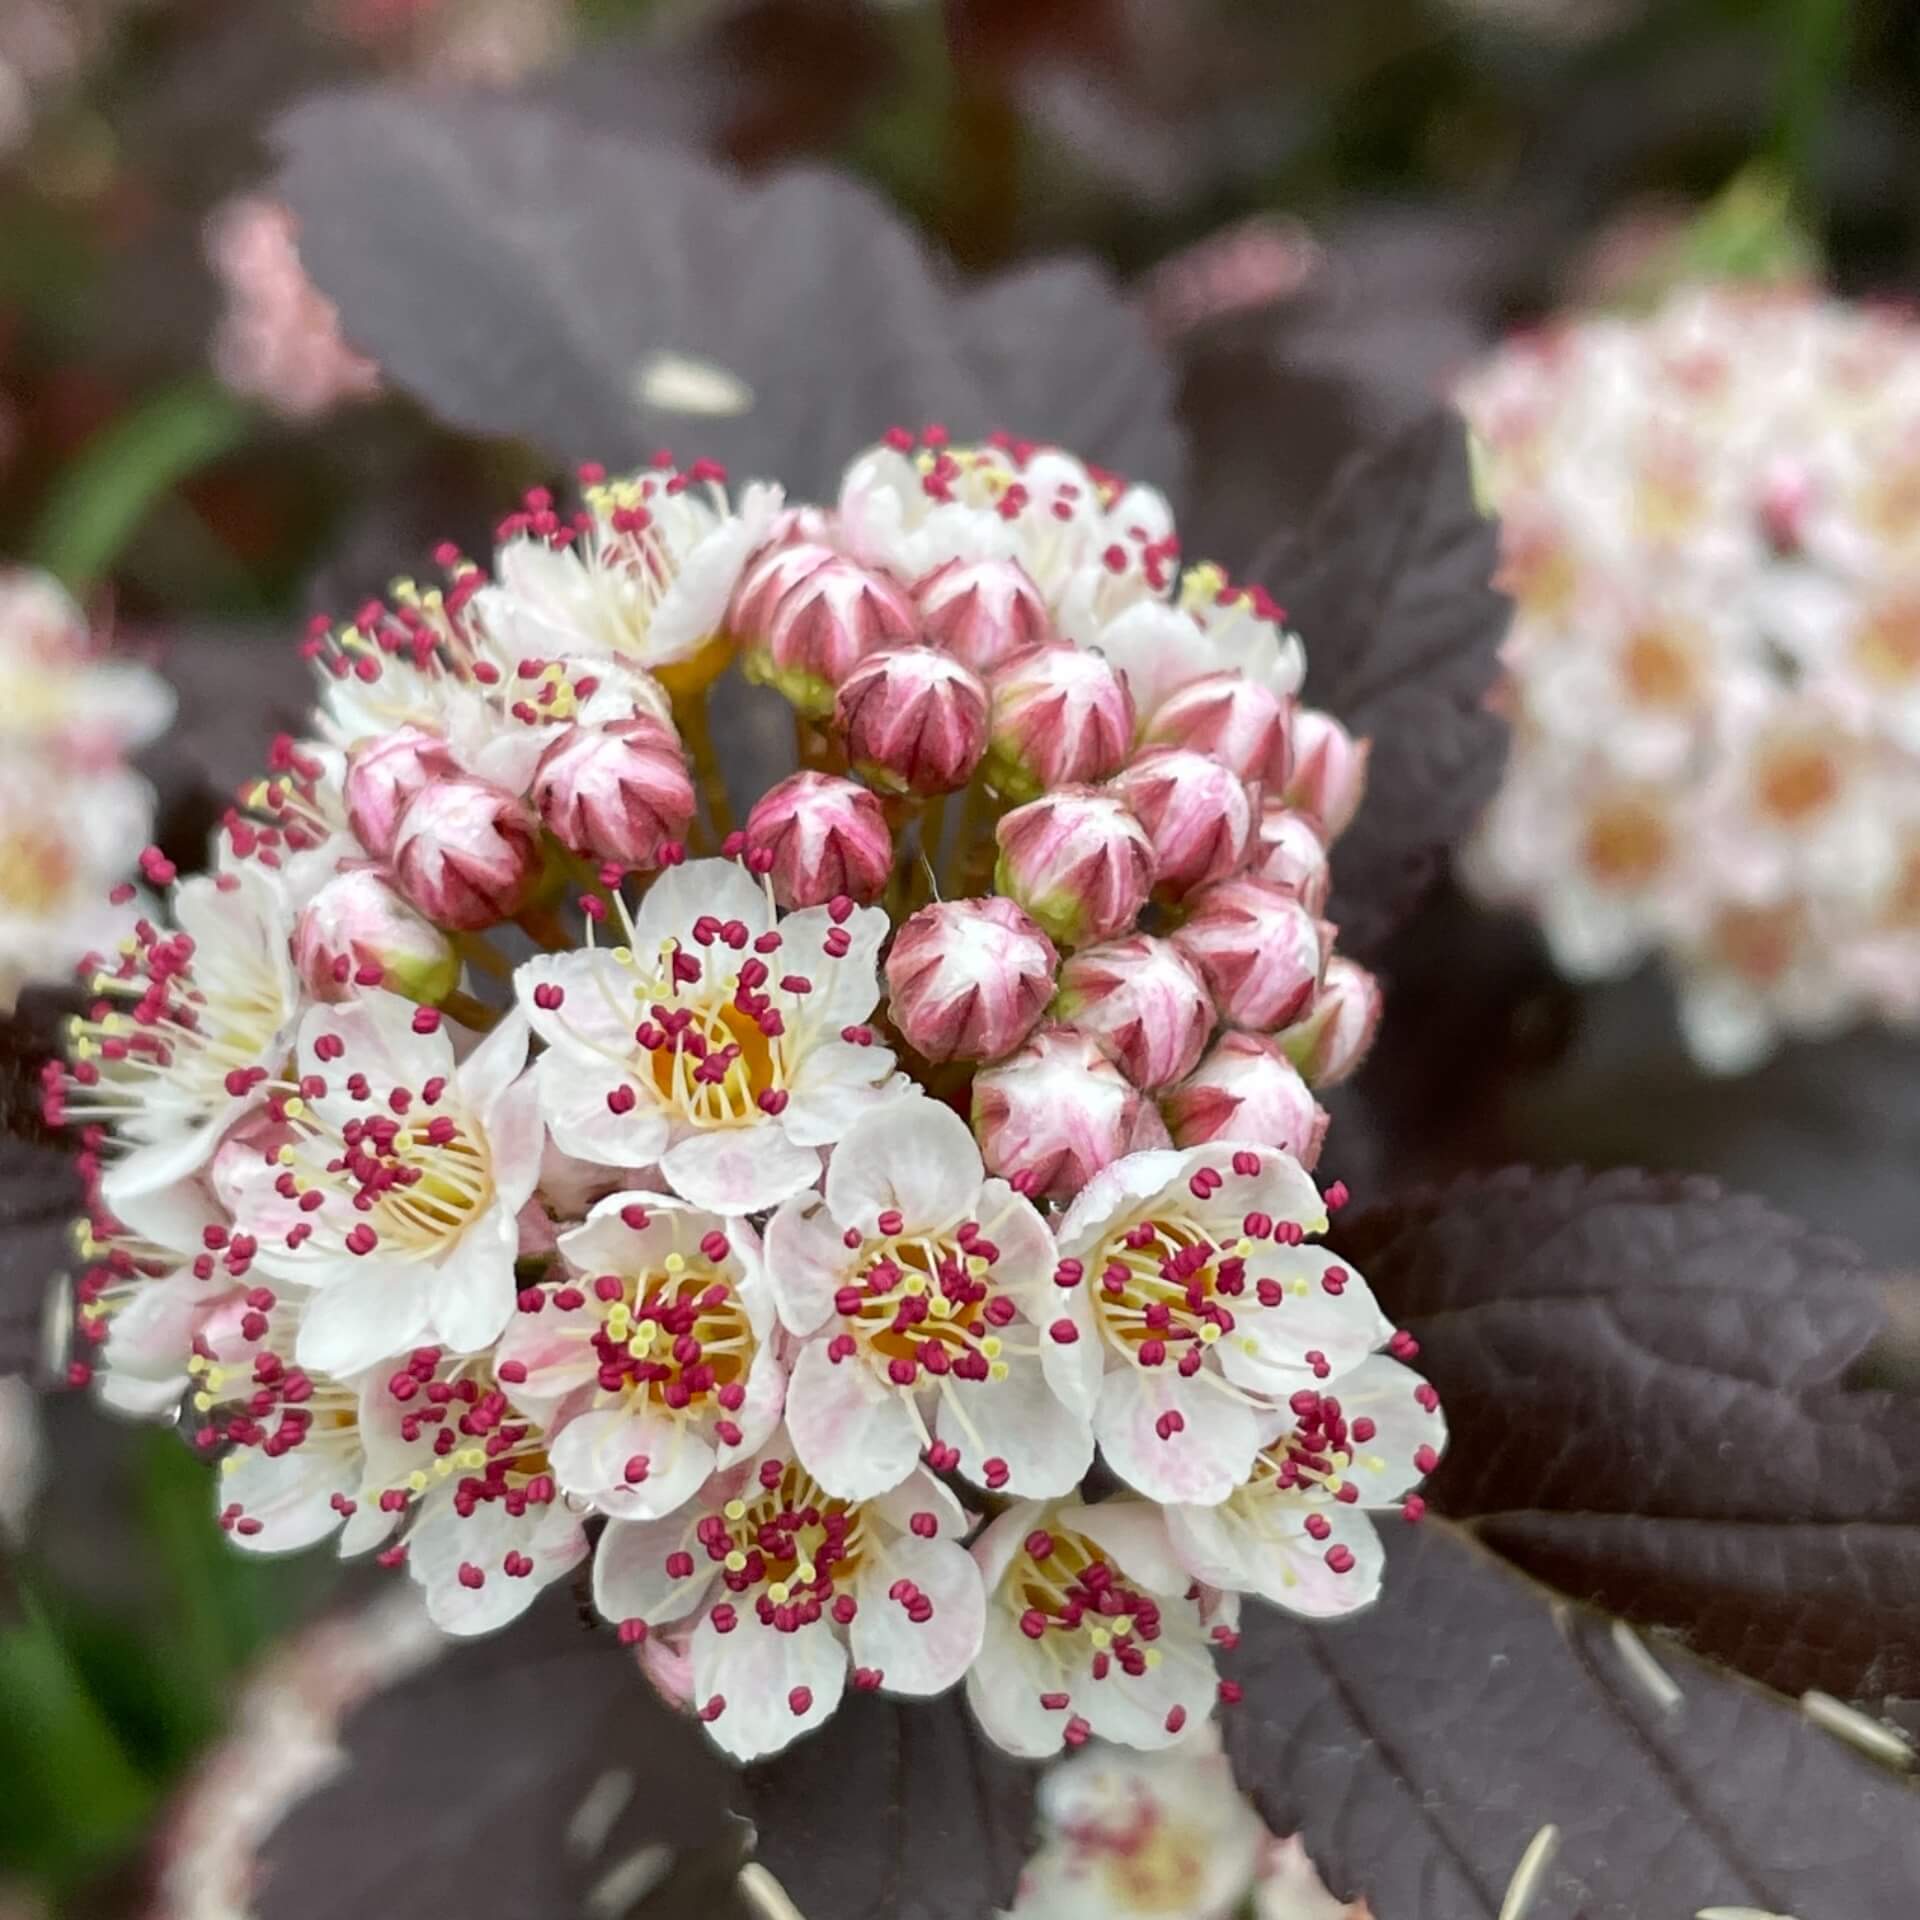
{"type": "Point", "coordinates": [1078, 861]}
{"type": "Point", "coordinates": [968, 979]}
{"type": "Point", "coordinates": [1061, 717]}
{"type": "Point", "coordinates": [807, 615]}
{"type": "Point", "coordinates": [1289, 854]}
{"type": "Point", "coordinates": [827, 837]}
{"type": "Point", "coordinates": [1335, 1034]}
{"type": "Point", "coordinates": [1246, 1089]}
{"type": "Point", "coordinates": [467, 854]}
{"type": "Point", "coordinates": [1057, 1112]}
{"type": "Point", "coordinates": [1143, 1003]}
{"type": "Point", "coordinates": [615, 793]}
{"type": "Point", "coordinates": [383, 774]}
{"type": "Point", "coordinates": [913, 720]}
{"type": "Point", "coordinates": [356, 923]}
{"type": "Point", "coordinates": [1329, 771]}
{"type": "Point", "coordinates": [1257, 950]}
{"type": "Point", "coordinates": [770, 574]}
{"type": "Point", "coordinates": [1237, 720]}
{"type": "Point", "coordinates": [981, 611]}
{"type": "Point", "coordinates": [1197, 813]}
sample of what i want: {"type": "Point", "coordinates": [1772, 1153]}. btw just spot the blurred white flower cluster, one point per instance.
{"type": "Point", "coordinates": [1712, 536]}
{"type": "Point", "coordinates": [1166, 1835]}
{"type": "Point", "coordinates": [73, 816]}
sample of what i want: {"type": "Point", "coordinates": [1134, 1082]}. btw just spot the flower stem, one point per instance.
{"type": "Point", "coordinates": [481, 954]}
{"type": "Point", "coordinates": [698, 734]}
{"type": "Point", "coordinates": [470, 1012]}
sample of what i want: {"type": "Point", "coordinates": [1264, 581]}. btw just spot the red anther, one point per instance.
{"type": "Point", "coordinates": [1033, 1623]}
{"type": "Point", "coordinates": [1068, 1274]}
{"type": "Point", "coordinates": [1064, 1333]}
{"type": "Point", "coordinates": [621, 1100]}
{"type": "Point", "coordinates": [1413, 1508]}
{"type": "Point", "coordinates": [1230, 1693]}
{"type": "Point", "coordinates": [995, 1473]}
{"type": "Point", "coordinates": [891, 1222]}
{"type": "Point", "coordinates": [800, 1701]}
{"type": "Point", "coordinates": [471, 1576]}
{"type": "Point", "coordinates": [1425, 1459]}
{"type": "Point", "coordinates": [426, 1019]}
{"type": "Point", "coordinates": [1039, 1544]}
{"type": "Point", "coordinates": [924, 1525]}
{"type": "Point", "coordinates": [1340, 1559]}
{"type": "Point", "coordinates": [1336, 1196]}
{"type": "Point", "coordinates": [715, 1246]}
{"type": "Point", "coordinates": [1169, 1423]}
{"type": "Point", "coordinates": [632, 1632]}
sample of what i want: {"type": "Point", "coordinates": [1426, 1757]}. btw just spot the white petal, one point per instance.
{"type": "Point", "coordinates": [739, 1170]}
{"type": "Point", "coordinates": [443, 1541]}
{"type": "Point", "coordinates": [630, 1577]}
{"type": "Point", "coordinates": [1133, 1534]}
{"type": "Point", "coordinates": [916, 1157]}
{"type": "Point", "coordinates": [1004, 1686]}
{"type": "Point", "coordinates": [1133, 1710]}
{"type": "Point", "coordinates": [367, 1316]}
{"type": "Point", "coordinates": [853, 1433]}
{"type": "Point", "coordinates": [835, 1083]}
{"type": "Point", "coordinates": [1343, 1329]}
{"type": "Point", "coordinates": [1383, 1391]}
{"type": "Point", "coordinates": [1047, 1447]}
{"type": "Point", "coordinates": [495, 1064]}
{"type": "Point", "coordinates": [681, 895]}
{"type": "Point", "coordinates": [573, 1086]}
{"type": "Point", "coordinates": [1202, 1463]}
{"type": "Point", "coordinates": [472, 1290]}
{"type": "Point", "coordinates": [757, 1670]}
{"type": "Point", "coordinates": [1258, 1543]}
{"type": "Point", "coordinates": [929, 1657]}
{"type": "Point", "coordinates": [807, 1262]}
{"type": "Point", "coordinates": [590, 1455]}
{"type": "Point", "coordinates": [290, 1494]}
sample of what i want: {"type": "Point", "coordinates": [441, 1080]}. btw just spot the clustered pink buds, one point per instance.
{"type": "Point", "coordinates": [1143, 1002]}
{"type": "Point", "coordinates": [383, 774]}
{"type": "Point", "coordinates": [1239, 722]}
{"type": "Point", "coordinates": [615, 794]}
{"type": "Point", "coordinates": [821, 838]}
{"type": "Point", "coordinates": [1247, 1089]}
{"type": "Point", "coordinates": [1061, 717]}
{"type": "Point", "coordinates": [1258, 951]}
{"type": "Point", "coordinates": [356, 932]}
{"type": "Point", "coordinates": [1329, 773]}
{"type": "Point", "coordinates": [968, 979]}
{"type": "Point", "coordinates": [832, 613]}
{"type": "Point", "coordinates": [467, 854]}
{"type": "Point", "coordinates": [1331, 1039]}
{"type": "Point", "coordinates": [1054, 1114]}
{"type": "Point", "coordinates": [913, 720]}
{"type": "Point", "coordinates": [1078, 861]}
{"type": "Point", "coordinates": [1290, 854]}
{"type": "Point", "coordinates": [1197, 813]}
{"type": "Point", "coordinates": [983, 611]}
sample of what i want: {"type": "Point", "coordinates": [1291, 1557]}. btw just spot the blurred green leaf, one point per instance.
{"type": "Point", "coordinates": [119, 476]}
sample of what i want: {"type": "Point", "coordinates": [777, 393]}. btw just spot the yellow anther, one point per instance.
{"type": "Point", "coordinates": [1101, 1639]}
{"type": "Point", "coordinates": [736, 1561]}
{"type": "Point", "coordinates": [990, 1346]}
{"type": "Point", "coordinates": [623, 956]}
{"type": "Point", "coordinates": [999, 1370]}
{"type": "Point", "coordinates": [779, 1593]}
{"type": "Point", "coordinates": [940, 1307]}
{"type": "Point", "coordinates": [914, 1283]}
{"type": "Point", "coordinates": [806, 1573]}
{"type": "Point", "coordinates": [416, 1481]}
{"type": "Point", "coordinates": [675, 1263]}
{"type": "Point", "coordinates": [1249, 1344]}
{"type": "Point", "coordinates": [202, 1402]}
{"type": "Point", "coordinates": [285, 1154]}
{"type": "Point", "coordinates": [1152, 1656]}
{"type": "Point", "coordinates": [735, 1509]}
{"type": "Point", "coordinates": [977, 1264]}
{"type": "Point", "coordinates": [472, 1458]}
{"type": "Point", "coordinates": [295, 1108]}
{"type": "Point", "coordinates": [1242, 1247]}
{"type": "Point", "coordinates": [1209, 1334]}
{"type": "Point", "coordinates": [231, 1464]}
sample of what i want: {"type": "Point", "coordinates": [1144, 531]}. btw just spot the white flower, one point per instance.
{"type": "Point", "coordinates": [194, 1019]}
{"type": "Point", "coordinates": [645, 581]}
{"type": "Point", "coordinates": [921, 1290]}
{"type": "Point", "coordinates": [57, 694]}
{"type": "Point", "coordinates": [1092, 1628]}
{"type": "Point", "coordinates": [59, 863]}
{"type": "Point", "coordinates": [1289, 1887]}
{"type": "Point", "coordinates": [656, 1361]}
{"type": "Point", "coordinates": [1197, 1309]}
{"type": "Point", "coordinates": [778, 1583]}
{"type": "Point", "coordinates": [1296, 1532]}
{"type": "Point", "coordinates": [395, 1191]}
{"type": "Point", "coordinates": [724, 1047]}
{"type": "Point", "coordinates": [448, 1443]}
{"type": "Point", "coordinates": [1162, 1834]}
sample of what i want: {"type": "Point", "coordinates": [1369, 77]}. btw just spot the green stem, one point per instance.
{"type": "Point", "coordinates": [1814, 38]}
{"type": "Point", "coordinates": [698, 734]}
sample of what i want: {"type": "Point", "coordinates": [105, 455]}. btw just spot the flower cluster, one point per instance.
{"type": "Point", "coordinates": [68, 718]}
{"type": "Point", "coordinates": [1166, 1835]}
{"type": "Point", "coordinates": [511, 1161]}
{"type": "Point", "coordinates": [1715, 666]}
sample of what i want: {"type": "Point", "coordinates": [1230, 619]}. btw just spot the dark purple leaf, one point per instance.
{"type": "Point", "coordinates": [1421, 1747]}
{"type": "Point", "coordinates": [895, 1810]}
{"type": "Point", "coordinates": [1390, 587]}
{"type": "Point", "coordinates": [465, 1784]}
{"type": "Point", "coordinates": [525, 275]}
{"type": "Point", "coordinates": [1646, 1379]}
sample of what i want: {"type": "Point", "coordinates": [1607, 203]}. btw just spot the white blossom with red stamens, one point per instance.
{"type": "Point", "coordinates": [1246, 1089]}
{"type": "Point", "coordinates": [1289, 1886]}
{"type": "Point", "coordinates": [723, 1043]}
{"type": "Point", "coordinates": [653, 1358]}
{"type": "Point", "coordinates": [1093, 1628]}
{"type": "Point", "coordinates": [455, 1455]}
{"type": "Point", "coordinates": [1078, 860]}
{"type": "Point", "coordinates": [467, 853]}
{"type": "Point", "coordinates": [188, 1025]}
{"type": "Point", "coordinates": [1143, 1002]}
{"type": "Point", "coordinates": [1260, 952]}
{"type": "Point", "coordinates": [1331, 1040]}
{"type": "Point", "coordinates": [291, 825]}
{"type": "Point", "coordinates": [1240, 721]}
{"type": "Point", "coordinates": [394, 1186]}
{"type": "Point", "coordinates": [1296, 1531]}
{"type": "Point", "coordinates": [642, 576]}
{"type": "Point", "coordinates": [615, 794]}
{"type": "Point", "coordinates": [1290, 853]}
{"type": "Point", "coordinates": [1060, 717]}
{"type": "Point", "coordinates": [1327, 776]}
{"type": "Point", "coordinates": [1198, 813]}
{"type": "Point", "coordinates": [820, 837]}
{"type": "Point", "coordinates": [1142, 1834]}
{"type": "Point", "coordinates": [980, 611]}
{"type": "Point", "coordinates": [779, 1589]}
{"type": "Point", "coordinates": [808, 616]}
{"type": "Point", "coordinates": [357, 932]}
{"type": "Point", "coordinates": [1190, 1304]}
{"type": "Point", "coordinates": [912, 720]}
{"type": "Point", "coordinates": [921, 1289]}
{"type": "Point", "coordinates": [968, 979]}
{"type": "Point", "coordinates": [1216, 627]}
{"type": "Point", "coordinates": [1052, 1115]}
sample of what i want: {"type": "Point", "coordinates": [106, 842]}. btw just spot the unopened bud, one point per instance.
{"type": "Point", "coordinates": [1246, 1089]}
{"type": "Point", "coordinates": [969, 979]}
{"type": "Point", "coordinates": [825, 836]}
{"type": "Point", "coordinates": [467, 854]}
{"type": "Point", "coordinates": [1258, 951]}
{"type": "Point", "coordinates": [357, 922]}
{"type": "Point", "coordinates": [913, 720]}
{"type": "Point", "coordinates": [615, 793]}
{"type": "Point", "coordinates": [1077, 861]}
